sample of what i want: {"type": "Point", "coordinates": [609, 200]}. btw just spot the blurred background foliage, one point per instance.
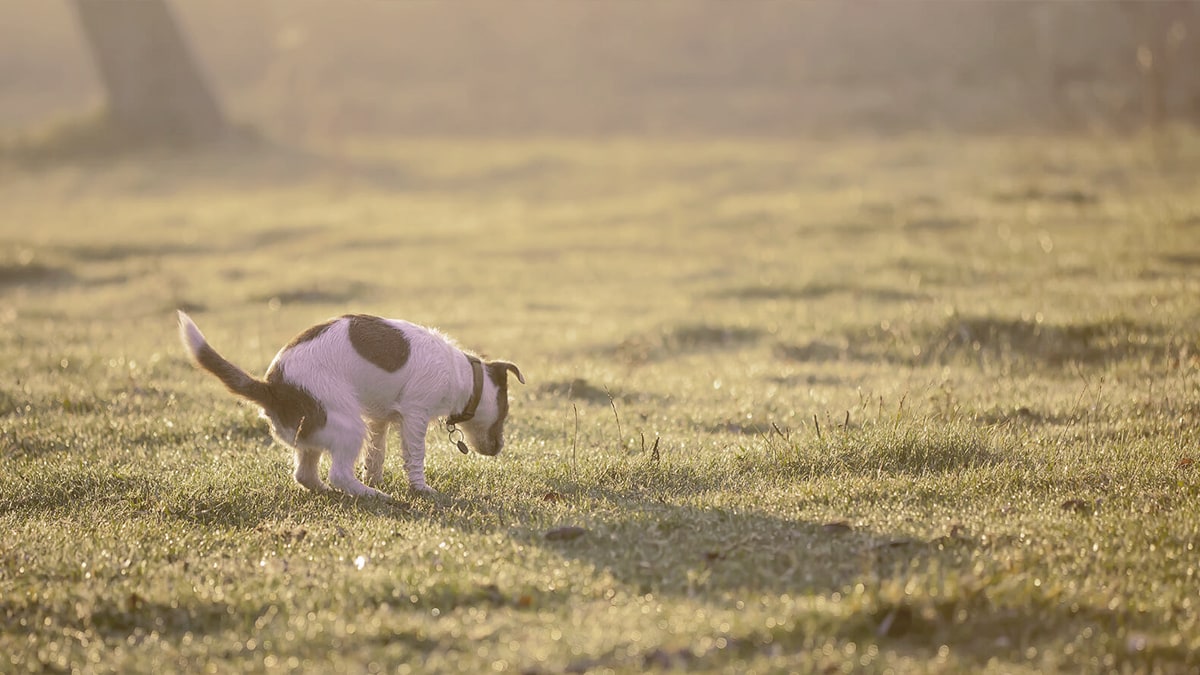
{"type": "Point", "coordinates": [306, 68]}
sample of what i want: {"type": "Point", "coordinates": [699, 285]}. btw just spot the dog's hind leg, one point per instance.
{"type": "Point", "coordinates": [344, 438]}
{"type": "Point", "coordinates": [376, 449]}
{"type": "Point", "coordinates": [307, 463]}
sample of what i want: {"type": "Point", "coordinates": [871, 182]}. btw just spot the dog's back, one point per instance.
{"type": "Point", "coordinates": [363, 363]}
{"type": "Point", "coordinates": [350, 365]}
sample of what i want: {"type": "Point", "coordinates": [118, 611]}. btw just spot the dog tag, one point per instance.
{"type": "Point", "coordinates": [462, 447]}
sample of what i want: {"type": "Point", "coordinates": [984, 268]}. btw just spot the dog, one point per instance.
{"type": "Point", "coordinates": [343, 382]}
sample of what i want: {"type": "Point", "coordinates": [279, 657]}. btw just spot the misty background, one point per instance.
{"type": "Point", "coordinates": [303, 69]}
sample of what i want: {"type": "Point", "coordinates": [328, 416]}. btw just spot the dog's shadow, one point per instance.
{"type": "Point", "coordinates": [402, 502]}
{"type": "Point", "coordinates": [651, 545]}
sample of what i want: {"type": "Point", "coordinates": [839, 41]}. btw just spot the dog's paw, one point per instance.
{"type": "Point", "coordinates": [369, 493]}
{"type": "Point", "coordinates": [317, 486]}
{"type": "Point", "coordinates": [422, 488]}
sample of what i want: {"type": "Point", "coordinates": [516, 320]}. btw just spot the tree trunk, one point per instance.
{"type": "Point", "coordinates": [155, 91]}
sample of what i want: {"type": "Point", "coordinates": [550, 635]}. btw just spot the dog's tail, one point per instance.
{"type": "Point", "coordinates": [237, 380]}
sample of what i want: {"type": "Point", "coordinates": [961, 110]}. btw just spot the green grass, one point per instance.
{"type": "Point", "coordinates": [922, 404]}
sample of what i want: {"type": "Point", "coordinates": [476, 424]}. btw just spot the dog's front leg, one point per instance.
{"type": "Point", "coordinates": [412, 438]}
{"type": "Point", "coordinates": [376, 450]}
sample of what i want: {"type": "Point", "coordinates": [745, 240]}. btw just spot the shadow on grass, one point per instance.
{"type": "Point", "coordinates": [118, 617]}
{"type": "Point", "coordinates": [683, 339]}
{"type": "Point", "coordinates": [104, 494]}
{"type": "Point", "coordinates": [580, 389]}
{"type": "Point", "coordinates": [881, 449]}
{"type": "Point", "coordinates": [1073, 196]}
{"type": "Point", "coordinates": [92, 138]}
{"type": "Point", "coordinates": [1006, 342]}
{"type": "Point", "coordinates": [35, 445]}
{"type": "Point", "coordinates": [819, 291]}
{"type": "Point", "coordinates": [1051, 344]}
{"type": "Point", "coordinates": [245, 159]}
{"type": "Point", "coordinates": [334, 293]}
{"type": "Point", "coordinates": [83, 488]}
{"type": "Point", "coordinates": [113, 252]}
{"type": "Point", "coordinates": [815, 351]}
{"type": "Point", "coordinates": [633, 530]}
{"type": "Point", "coordinates": [25, 274]}
{"type": "Point", "coordinates": [662, 550]}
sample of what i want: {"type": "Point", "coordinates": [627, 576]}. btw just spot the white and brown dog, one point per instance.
{"type": "Point", "coordinates": [345, 381]}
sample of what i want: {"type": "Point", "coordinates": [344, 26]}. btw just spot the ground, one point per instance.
{"type": "Point", "coordinates": [923, 404]}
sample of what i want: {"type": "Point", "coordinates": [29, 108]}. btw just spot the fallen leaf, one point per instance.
{"type": "Point", "coordinates": [898, 621]}
{"type": "Point", "coordinates": [525, 601]}
{"type": "Point", "coordinates": [1185, 463]}
{"type": "Point", "coordinates": [566, 533]}
{"type": "Point", "coordinates": [582, 666]}
{"type": "Point", "coordinates": [836, 527]}
{"type": "Point", "coordinates": [893, 543]}
{"type": "Point", "coordinates": [552, 496]}
{"type": "Point", "coordinates": [662, 659]}
{"type": "Point", "coordinates": [946, 541]}
{"type": "Point", "coordinates": [957, 537]}
{"type": "Point", "coordinates": [1077, 505]}
{"type": "Point", "coordinates": [491, 593]}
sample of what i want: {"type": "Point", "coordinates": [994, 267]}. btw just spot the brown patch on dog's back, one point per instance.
{"type": "Point", "coordinates": [293, 406]}
{"type": "Point", "coordinates": [378, 341]}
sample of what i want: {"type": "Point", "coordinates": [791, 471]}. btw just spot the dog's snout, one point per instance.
{"type": "Point", "coordinates": [491, 447]}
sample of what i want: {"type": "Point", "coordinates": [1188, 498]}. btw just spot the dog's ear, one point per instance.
{"type": "Point", "coordinates": [513, 367]}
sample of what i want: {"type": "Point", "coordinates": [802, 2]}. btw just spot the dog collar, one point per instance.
{"type": "Point", "coordinates": [476, 394]}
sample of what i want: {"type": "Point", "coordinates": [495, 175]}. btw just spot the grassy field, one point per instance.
{"type": "Point", "coordinates": [926, 404]}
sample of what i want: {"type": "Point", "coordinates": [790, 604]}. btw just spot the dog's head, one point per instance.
{"type": "Point", "coordinates": [485, 430]}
